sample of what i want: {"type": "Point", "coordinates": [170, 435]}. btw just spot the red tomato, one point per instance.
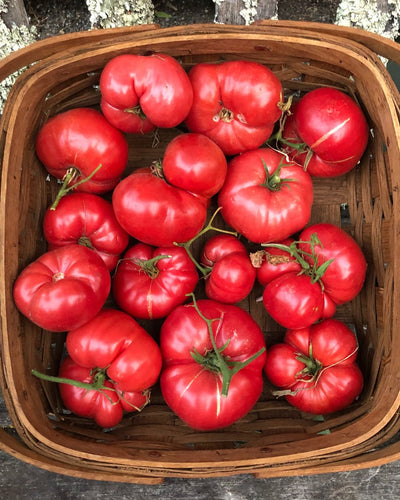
{"type": "Point", "coordinates": [293, 301]}
{"type": "Point", "coordinates": [332, 127]}
{"type": "Point", "coordinates": [150, 282]}
{"type": "Point", "coordinates": [156, 213]}
{"type": "Point", "coordinates": [264, 197]}
{"type": "Point", "coordinates": [105, 404]}
{"type": "Point", "coordinates": [89, 220]}
{"type": "Point", "coordinates": [195, 163]}
{"type": "Point", "coordinates": [345, 276]}
{"type": "Point", "coordinates": [196, 344]}
{"type": "Point", "coordinates": [274, 262]}
{"type": "Point", "coordinates": [82, 139]}
{"type": "Point", "coordinates": [316, 367]}
{"type": "Point", "coordinates": [63, 288]}
{"type": "Point", "coordinates": [232, 274]}
{"type": "Point", "coordinates": [333, 272]}
{"type": "Point", "coordinates": [113, 341]}
{"type": "Point", "coordinates": [140, 93]}
{"type": "Point", "coordinates": [235, 103]}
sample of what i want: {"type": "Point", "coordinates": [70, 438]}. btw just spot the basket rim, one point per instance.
{"type": "Point", "coordinates": [69, 57]}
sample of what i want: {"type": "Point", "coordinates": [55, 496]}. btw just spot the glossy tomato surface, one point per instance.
{"type": "Point", "coordinates": [142, 92]}
{"type": "Point", "coordinates": [155, 212]}
{"type": "Point", "coordinates": [150, 282]}
{"type": "Point", "coordinates": [63, 288]}
{"type": "Point", "coordinates": [86, 219]}
{"type": "Point", "coordinates": [235, 103]}
{"type": "Point", "coordinates": [82, 139]}
{"type": "Point", "coordinates": [318, 366]}
{"type": "Point", "coordinates": [193, 390]}
{"type": "Point", "coordinates": [332, 127]}
{"type": "Point", "coordinates": [264, 197]}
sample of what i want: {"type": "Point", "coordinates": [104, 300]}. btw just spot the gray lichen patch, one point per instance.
{"type": "Point", "coordinates": [118, 13]}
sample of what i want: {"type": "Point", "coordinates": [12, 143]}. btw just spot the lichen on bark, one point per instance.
{"type": "Point", "coordinates": [118, 13]}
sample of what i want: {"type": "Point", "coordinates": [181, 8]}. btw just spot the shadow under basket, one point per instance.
{"type": "Point", "coordinates": [274, 439]}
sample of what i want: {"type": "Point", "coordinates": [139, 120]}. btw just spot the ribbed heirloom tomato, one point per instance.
{"type": "Point", "coordinates": [265, 197]}
{"type": "Point", "coordinates": [316, 367]}
{"type": "Point", "coordinates": [142, 92]}
{"type": "Point", "coordinates": [89, 220]}
{"type": "Point", "coordinates": [63, 288]}
{"type": "Point", "coordinates": [213, 356]}
{"type": "Point", "coordinates": [235, 103]}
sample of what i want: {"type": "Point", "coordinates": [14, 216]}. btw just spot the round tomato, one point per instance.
{"type": "Point", "coordinates": [232, 275]}
{"type": "Point", "coordinates": [235, 103]}
{"type": "Point", "coordinates": [89, 220]}
{"type": "Point", "coordinates": [316, 367]}
{"type": "Point", "coordinates": [149, 282]}
{"type": "Point", "coordinates": [264, 197]}
{"type": "Point", "coordinates": [63, 288]}
{"type": "Point", "coordinates": [155, 212]}
{"type": "Point", "coordinates": [213, 357]}
{"type": "Point", "coordinates": [80, 143]}
{"type": "Point", "coordinates": [195, 163]}
{"type": "Point", "coordinates": [330, 129]}
{"type": "Point", "coordinates": [140, 92]}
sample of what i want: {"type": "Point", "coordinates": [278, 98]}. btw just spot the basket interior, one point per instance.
{"type": "Point", "coordinates": [362, 202]}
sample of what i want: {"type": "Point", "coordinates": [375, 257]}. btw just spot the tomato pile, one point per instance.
{"type": "Point", "coordinates": [121, 246]}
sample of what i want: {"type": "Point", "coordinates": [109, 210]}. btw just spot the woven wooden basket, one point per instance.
{"type": "Point", "coordinates": [274, 439]}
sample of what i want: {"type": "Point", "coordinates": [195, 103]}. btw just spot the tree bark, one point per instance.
{"type": "Point", "coordinates": [15, 14]}
{"type": "Point", "coordinates": [244, 11]}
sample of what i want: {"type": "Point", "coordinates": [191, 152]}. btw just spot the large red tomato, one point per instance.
{"type": "Point", "coordinates": [235, 103]}
{"type": "Point", "coordinates": [140, 92]}
{"type": "Point", "coordinates": [63, 288]}
{"type": "Point", "coordinates": [150, 282]}
{"type": "Point", "coordinates": [89, 220]}
{"type": "Point", "coordinates": [265, 197]}
{"type": "Point", "coordinates": [79, 141]}
{"type": "Point", "coordinates": [155, 212]}
{"type": "Point", "coordinates": [332, 129]}
{"type": "Point", "coordinates": [316, 367]}
{"type": "Point", "coordinates": [213, 357]}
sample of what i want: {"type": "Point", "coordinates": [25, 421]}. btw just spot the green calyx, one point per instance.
{"type": "Point", "coordinates": [314, 270]}
{"type": "Point", "coordinates": [215, 361]}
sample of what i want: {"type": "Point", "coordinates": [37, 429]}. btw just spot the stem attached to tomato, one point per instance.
{"type": "Point", "coordinates": [214, 360]}
{"type": "Point", "coordinates": [209, 227]}
{"type": "Point", "coordinates": [149, 266]}
{"type": "Point", "coordinates": [313, 270]}
{"type": "Point", "coordinates": [66, 187]}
